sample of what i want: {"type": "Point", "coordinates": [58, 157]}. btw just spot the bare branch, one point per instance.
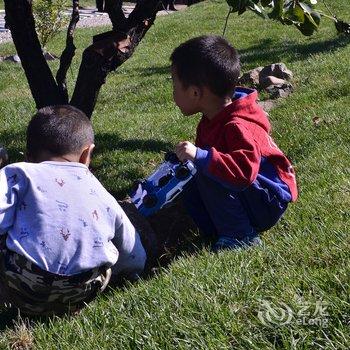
{"type": "Point", "coordinates": [144, 10]}
{"type": "Point", "coordinates": [68, 53]}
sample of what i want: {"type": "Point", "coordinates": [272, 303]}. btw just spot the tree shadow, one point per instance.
{"type": "Point", "coordinates": [10, 140]}
{"type": "Point", "coordinates": [148, 71]}
{"type": "Point", "coordinates": [107, 142]}
{"type": "Point", "coordinates": [8, 317]}
{"type": "Point", "coordinates": [104, 142]}
{"type": "Point", "coordinates": [269, 50]}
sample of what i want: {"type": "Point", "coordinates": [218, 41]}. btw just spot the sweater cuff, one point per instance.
{"type": "Point", "coordinates": [202, 158]}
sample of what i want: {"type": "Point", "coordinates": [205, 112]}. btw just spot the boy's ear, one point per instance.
{"type": "Point", "coordinates": [85, 156]}
{"type": "Point", "coordinates": [196, 91]}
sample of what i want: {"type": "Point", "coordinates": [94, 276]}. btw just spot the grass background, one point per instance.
{"type": "Point", "coordinates": [211, 301]}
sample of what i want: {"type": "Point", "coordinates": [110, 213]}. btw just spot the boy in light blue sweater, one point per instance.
{"type": "Point", "coordinates": [63, 234]}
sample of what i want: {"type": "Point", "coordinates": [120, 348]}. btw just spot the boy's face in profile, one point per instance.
{"type": "Point", "coordinates": [185, 98]}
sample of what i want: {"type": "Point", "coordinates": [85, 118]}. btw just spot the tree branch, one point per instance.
{"type": "Point", "coordinates": [116, 14]}
{"type": "Point", "coordinates": [20, 20]}
{"type": "Point", "coordinates": [144, 10]}
{"type": "Point", "coordinates": [109, 51]}
{"type": "Point", "coordinates": [68, 53]}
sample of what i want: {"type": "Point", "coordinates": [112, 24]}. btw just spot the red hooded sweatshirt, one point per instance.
{"type": "Point", "coordinates": [236, 149]}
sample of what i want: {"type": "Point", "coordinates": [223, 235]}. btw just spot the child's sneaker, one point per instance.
{"type": "Point", "coordinates": [229, 243]}
{"type": "Point", "coordinates": [3, 157]}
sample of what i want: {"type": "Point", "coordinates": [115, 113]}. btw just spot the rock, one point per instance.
{"type": "Point", "coordinates": [12, 58]}
{"type": "Point", "coordinates": [270, 80]}
{"type": "Point", "coordinates": [250, 78]}
{"type": "Point", "coordinates": [278, 91]}
{"type": "Point", "coordinates": [49, 56]}
{"type": "Point", "coordinates": [3, 157]}
{"type": "Point", "coordinates": [278, 70]}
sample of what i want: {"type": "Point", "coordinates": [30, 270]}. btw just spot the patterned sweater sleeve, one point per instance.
{"type": "Point", "coordinates": [12, 186]}
{"type": "Point", "coordinates": [236, 168]}
{"type": "Point", "coordinates": [132, 256]}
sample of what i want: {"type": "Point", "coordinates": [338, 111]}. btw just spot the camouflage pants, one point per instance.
{"type": "Point", "coordinates": [38, 292]}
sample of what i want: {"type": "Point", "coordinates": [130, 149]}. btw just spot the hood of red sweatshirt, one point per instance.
{"type": "Point", "coordinates": [244, 106]}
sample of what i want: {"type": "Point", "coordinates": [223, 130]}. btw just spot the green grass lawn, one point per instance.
{"type": "Point", "coordinates": [207, 301]}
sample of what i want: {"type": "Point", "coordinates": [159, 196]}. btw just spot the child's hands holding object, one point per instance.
{"type": "Point", "coordinates": [186, 151]}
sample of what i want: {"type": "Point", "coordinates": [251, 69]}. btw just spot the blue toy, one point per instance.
{"type": "Point", "coordinates": [163, 186]}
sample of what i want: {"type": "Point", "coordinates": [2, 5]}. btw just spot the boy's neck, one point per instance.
{"type": "Point", "coordinates": [65, 158]}
{"type": "Point", "coordinates": [83, 157]}
{"type": "Point", "coordinates": [48, 157]}
{"type": "Point", "coordinates": [213, 104]}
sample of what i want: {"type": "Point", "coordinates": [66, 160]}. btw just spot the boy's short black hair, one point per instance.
{"type": "Point", "coordinates": [59, 130]}
{"type": "Point", "coordinates": [207, 61]}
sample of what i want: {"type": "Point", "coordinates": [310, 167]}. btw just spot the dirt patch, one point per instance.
{"type": "Point", "coordinates": [164, 234]}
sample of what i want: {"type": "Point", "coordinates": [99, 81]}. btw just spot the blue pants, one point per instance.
{"type": "Point", "coordinates": [220, 211]}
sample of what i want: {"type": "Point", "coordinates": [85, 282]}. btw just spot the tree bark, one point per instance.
{"type": "Point", "coordinates": [68, 53]}
{"type": "Point", "coordinates": [110, 50]}
{"type": "Point", "coordinates": [20, 20]}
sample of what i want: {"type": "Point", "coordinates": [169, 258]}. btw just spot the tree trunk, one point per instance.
{"type": "Point", "coordinates": [20, 20]}
{"type": "Point", "coordinates": [108, 51]}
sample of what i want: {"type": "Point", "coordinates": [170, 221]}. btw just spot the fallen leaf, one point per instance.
{"type": "Point", "coordinates": [316, 121]}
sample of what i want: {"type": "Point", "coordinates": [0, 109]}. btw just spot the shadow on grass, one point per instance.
{"type": "Point", "coordinates": [148, 71]}
{"type": "Point", "coordinates": [7, 318]}
{"type": "Point", "coordinates": [12, 140]}
{"type": "Point", "coordinates": [111, 142]}
{"type": "Point", "coordinates": [108, 142]}
{"type": "Point", "coordinates": [269, 50]}
{"type": "Point", "coordinates": [104, 142]}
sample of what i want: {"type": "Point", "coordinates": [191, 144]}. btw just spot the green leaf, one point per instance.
{"type": "Point", "coordinates": [342, 27]}
{"type": "Point", "coordinates": [258, 10]}
{"type": "Point", "coordinates": [238, 5]}
{"type": "Point", "coordinates": [277, 11]}
{"type": "Point", "coordinates": [243, 6]}
{"type": "Point", "coordinates": [311, 23]}
{"type": "Point", "coordinates": [315, 18]}
{"type": "Point", "coordinates": [306, 8]}
{"type": "Point", "coordinates": [295, 14]}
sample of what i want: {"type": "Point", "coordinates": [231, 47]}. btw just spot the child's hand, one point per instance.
{"type": "Point", "coordinates": [186, 151]}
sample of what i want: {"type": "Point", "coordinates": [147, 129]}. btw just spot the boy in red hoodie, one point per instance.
{"type": "Point", "coordinates": [244, 181]}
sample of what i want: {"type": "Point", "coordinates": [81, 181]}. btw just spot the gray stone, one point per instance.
{"type": "Point", "coordinates": [12, 58]}
{"type": "Point", "coordinates": [278, 91]}
{"type": "Point", "coordinates": [278, 70]}
{"type": "Point", "coordinates": [270, 80]}
{"type": "Point", "coordinates": [251, 78]}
